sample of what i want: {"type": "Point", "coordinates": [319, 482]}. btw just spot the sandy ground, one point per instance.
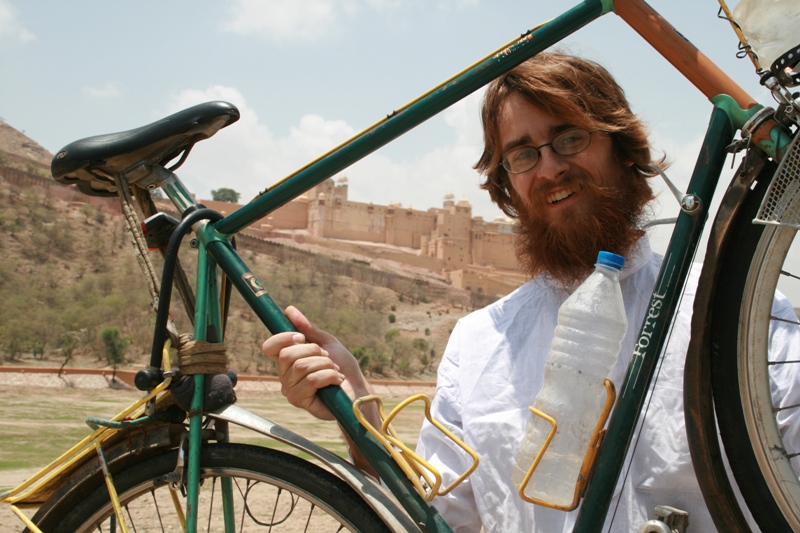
{"type": "Point", "coordinates": [86, 388]}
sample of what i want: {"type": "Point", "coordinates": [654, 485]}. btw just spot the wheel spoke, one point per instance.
{"type": "Point", "coordinates": [795, 322]}
{"type": "Point", "coordinates": [308, 520]}
{"type": "Point", "coordinates": [785, 407]}
{"type": "Point", "coordinates": [130, 518]}
{"type": "Point", "coordinates": [789, 274]}
{"type": "Point", "coordinates": [158, 511]}
{"type": "Point", "coordinates": [211, 502]}
{"type": "Point", "coordinates": [273, 492]}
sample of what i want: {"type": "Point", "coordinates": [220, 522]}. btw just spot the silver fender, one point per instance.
{"type": "Point", "coordinates": [376, 497]}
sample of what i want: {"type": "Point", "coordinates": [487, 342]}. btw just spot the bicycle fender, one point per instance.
{"type": "Point", "coordinates": [697, 396]}
{"type": "Point", "coordinates": [123, 448]}
{"type": "Point", "coordinates": [375, 496]}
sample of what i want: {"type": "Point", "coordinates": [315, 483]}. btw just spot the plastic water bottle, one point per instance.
{"type": "Point", "coordinates": [587, 341]}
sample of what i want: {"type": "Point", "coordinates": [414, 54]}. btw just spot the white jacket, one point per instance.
{"type": "Point", "coordinates": [490, 373]}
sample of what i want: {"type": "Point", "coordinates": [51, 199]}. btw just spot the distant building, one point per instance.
{"type": "Point", "coordinates": [474, 254]}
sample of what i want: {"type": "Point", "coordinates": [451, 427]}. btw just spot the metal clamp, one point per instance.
{"type": "Point", "coordinates": [670, 520]}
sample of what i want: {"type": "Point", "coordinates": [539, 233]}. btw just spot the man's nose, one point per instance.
{"type": "Point", "coordinates": [551, 165]}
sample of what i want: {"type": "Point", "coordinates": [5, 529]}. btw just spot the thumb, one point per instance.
{"type": "Point", "coordinates": [304, 326]}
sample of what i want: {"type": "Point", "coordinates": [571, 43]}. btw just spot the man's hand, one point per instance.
{"type": "Point", "coordinates": [312, 359]}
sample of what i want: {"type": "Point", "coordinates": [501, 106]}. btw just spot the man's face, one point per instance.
{"type": "Point", "coordinates": [553, 191]}
{"type": "Point", "coordinates": [570, 206]}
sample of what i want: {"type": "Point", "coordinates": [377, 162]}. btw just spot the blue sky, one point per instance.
{"type": "Point", "coordinates": [309, 74]}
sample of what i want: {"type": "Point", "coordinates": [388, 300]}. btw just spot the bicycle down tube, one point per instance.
{"type": "Point", "coordinates": [728, 116]}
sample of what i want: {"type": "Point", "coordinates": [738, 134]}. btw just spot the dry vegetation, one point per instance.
{"type": "Point", "coordinates": [73, 293]}
{"type": "Point", "coordinates": [68, 280]}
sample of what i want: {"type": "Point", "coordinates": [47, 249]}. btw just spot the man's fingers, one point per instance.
{"type": "Point", "coordinates": [274, 344]}
{"type": "Point", "coordinates": [301, 391]}
{"type": "Point", "coordinates": [303, 365]}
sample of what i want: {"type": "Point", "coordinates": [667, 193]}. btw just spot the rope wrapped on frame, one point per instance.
{"type": "Point", "coordinates": [201, 357]}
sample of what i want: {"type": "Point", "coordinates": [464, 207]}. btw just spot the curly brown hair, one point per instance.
{"type": "Point", "coordinates": [572, 88]}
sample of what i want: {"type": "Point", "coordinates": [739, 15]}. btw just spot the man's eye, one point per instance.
{"type": "Point", "coordinates": [571, 139]}
{"type": "Point", "coordinates": [525, 154]}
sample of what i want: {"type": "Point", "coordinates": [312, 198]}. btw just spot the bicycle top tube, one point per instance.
{"type": "Point", "coordinates": [90, 163]}
{"type": "Point", "coordinates": [681, 53]}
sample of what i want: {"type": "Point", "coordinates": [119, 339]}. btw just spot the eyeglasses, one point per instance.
{"type": "Point", "coordinates": [570, 142]}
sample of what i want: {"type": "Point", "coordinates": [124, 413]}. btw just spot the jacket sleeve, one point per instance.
{"type": "Point", "coordinates": [458, 507]}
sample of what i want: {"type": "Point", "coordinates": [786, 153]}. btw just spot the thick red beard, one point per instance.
{"type": "Point", "coordinates": [566, 250]}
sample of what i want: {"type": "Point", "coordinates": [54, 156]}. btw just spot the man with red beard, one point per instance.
{"type": "Point", "coordinates": [564, 155]}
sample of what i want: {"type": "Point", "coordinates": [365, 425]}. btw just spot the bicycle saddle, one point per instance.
{"type": "Point", "coordinates": [91, 163]}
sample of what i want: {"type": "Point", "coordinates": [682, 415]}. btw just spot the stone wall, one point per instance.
{"type": "Point", "coordinates": [439, 239]}
{"type": "Point", "coordinates": [68, 193]}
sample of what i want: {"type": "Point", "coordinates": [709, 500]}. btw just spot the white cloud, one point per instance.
{"type": "Point", "coordinates": [315, 136]}
{"type": "Point", "coordinates": [312, 20]}
{"type": "Point", "coordinates": [107, 90]}
{"type": "Point", "coordinates": [247, 157]}
{"type": "Point", "coordinates": [283, 20]}
{"type": "Point", "coordinates": [385, 5]}
{"type": "Point", "coordinates": [10, 26]}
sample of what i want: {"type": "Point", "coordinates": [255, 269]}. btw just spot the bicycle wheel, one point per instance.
{"type": "Point", "coordinates": [272, 491]}
{"type": "Point", "coordinates": [746, 370]}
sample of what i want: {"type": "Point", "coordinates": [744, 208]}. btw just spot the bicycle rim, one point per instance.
{"type": "Point", "coordinates": [746, 412]}
{"type": "Point", "coordinates": [272, 491]}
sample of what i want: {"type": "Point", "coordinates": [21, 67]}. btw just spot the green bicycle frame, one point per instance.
{"type": "Point", "coordinates": [728, 116]}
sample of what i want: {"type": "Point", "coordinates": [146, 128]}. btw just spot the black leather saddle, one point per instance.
{"type": "Point", "coordinates": [91, 163]}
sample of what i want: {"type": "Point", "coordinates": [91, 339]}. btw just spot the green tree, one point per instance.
{"type": "Point", "coordinates": [115, 345]}
{"type": "Point", "coordinates": [225, 194]}
{"type": "Point", "coordinates": [68, 343]}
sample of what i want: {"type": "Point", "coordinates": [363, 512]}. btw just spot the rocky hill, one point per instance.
{"type": "Point", "coordinates": [18, 151]}
{"type": "Point", "coordinates": [73, 293]}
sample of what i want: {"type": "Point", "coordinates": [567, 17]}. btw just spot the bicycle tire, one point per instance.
{"type": "Point", "coordinates": [273, 491]}
{"type": "Point", "coordinates": [740, 367]}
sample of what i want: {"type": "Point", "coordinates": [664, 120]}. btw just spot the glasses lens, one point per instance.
{"type": "Point", "coordinates": [571, 141]}
{"type": "Point", "coordinates": [521, 159]}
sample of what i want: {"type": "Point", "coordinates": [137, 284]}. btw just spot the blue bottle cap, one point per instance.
{"type": "Point", "coordinates": [610, 260]}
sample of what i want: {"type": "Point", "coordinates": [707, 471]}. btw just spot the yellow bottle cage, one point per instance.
{"type": "Point", "coordinates": [588, 460]}
{"type": "Point", "coordinates": [424, 476]}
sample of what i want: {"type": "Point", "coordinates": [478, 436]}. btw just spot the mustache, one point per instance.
{"type": "Point", "coordinates": [576, 180]}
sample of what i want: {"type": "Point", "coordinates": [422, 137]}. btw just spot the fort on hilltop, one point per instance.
{"type": "Point", "coordinates": [472, 253]}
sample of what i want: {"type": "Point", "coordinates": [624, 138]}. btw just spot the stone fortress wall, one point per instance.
{"type": "Point", "coordinates": [472, 253]}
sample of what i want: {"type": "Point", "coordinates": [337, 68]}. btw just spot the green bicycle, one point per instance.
{"type": "Point", "coordinates": [167, 463]}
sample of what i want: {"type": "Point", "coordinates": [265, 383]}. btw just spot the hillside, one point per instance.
{"type": "Point", "coordinates": [67, 274]}
{"type": "Point", "coordinates": [18, 151]}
